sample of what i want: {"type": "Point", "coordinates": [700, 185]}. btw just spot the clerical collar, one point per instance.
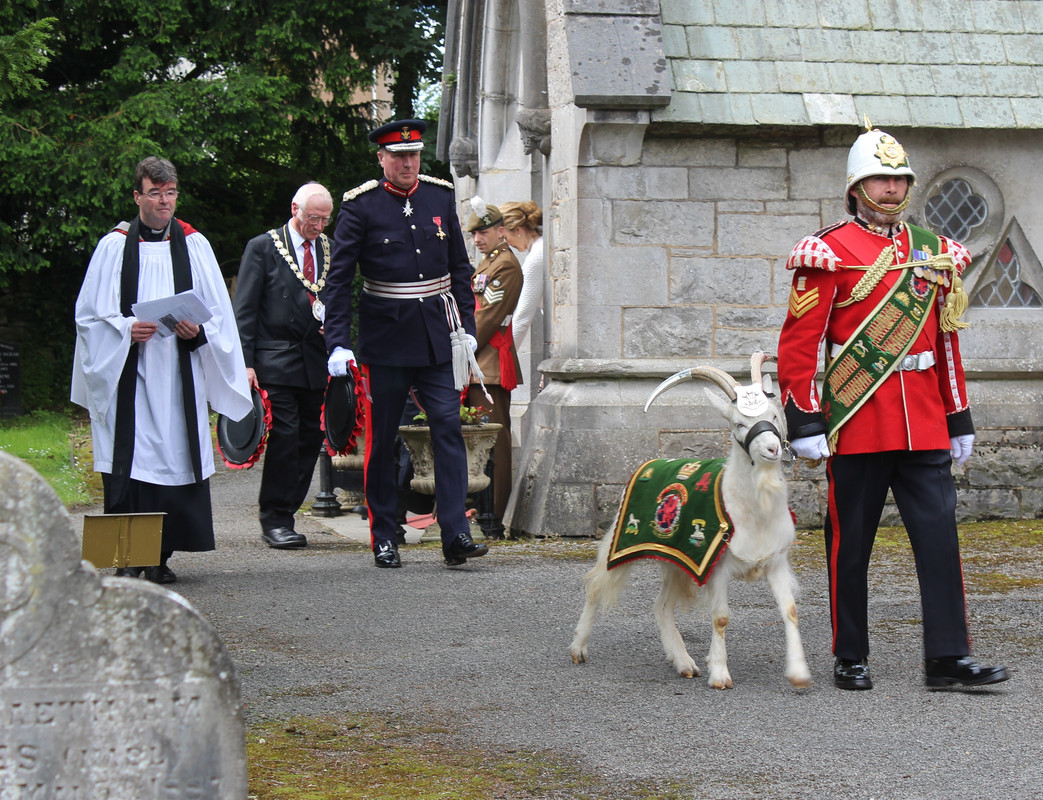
{"type": "Point", "coordinates": [401, 192]}
{"type": "Point", "coordinates": [148, 234]}
{"type": "Point", "coordinates": [890, 231]}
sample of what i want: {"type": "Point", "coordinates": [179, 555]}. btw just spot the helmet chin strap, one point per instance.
{"type": "Point", "coordinates": [879, 209]}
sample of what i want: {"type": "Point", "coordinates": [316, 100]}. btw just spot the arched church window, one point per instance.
{"type": "Point", "coordinates": [955, 210]}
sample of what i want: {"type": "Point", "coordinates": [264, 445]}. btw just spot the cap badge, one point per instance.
{"type": "Point", "coordinates": [891, 153]}
{"type": "Point", "coordinates": [406, 134]}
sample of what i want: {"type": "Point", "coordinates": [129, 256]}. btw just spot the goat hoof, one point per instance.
{"type": "Point", "coordinates": [578, 657]}
{"type": "Point", "coordinates": [724, 682]}
{"type": "Point", "coordinates": [801, 682]}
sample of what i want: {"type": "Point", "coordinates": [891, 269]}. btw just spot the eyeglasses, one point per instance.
{"type": "Point", "coordinates": [314, 218]}
{"type": "Point", "coordinates": [156, 194]}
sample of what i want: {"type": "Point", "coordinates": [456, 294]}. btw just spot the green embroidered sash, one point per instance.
{"type": "Point", "coordinates": [886, 335]}
{"type": "Point", "coordinates": [672, 510]}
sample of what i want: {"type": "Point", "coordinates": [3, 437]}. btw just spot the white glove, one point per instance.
{"type": "Point", "coordinates": [338, 363]}
{"type": "Point", "coordinates": [471, 341]}
{"type": "Point", "coordinates": [812, 448]}
{"type": "Point", "coordinates": [962, 447]}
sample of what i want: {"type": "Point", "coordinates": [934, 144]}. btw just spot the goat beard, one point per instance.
{"type": "Point", "coordinates": [768, 485]}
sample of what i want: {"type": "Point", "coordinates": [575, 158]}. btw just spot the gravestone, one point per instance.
{"type": "Point", "coordinates": [10, 381]}
{"type": "Point", "coordinates": [110, 688]}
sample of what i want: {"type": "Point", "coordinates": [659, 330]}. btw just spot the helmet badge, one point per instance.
{"type": "Point", "coordinates": [891, 153]}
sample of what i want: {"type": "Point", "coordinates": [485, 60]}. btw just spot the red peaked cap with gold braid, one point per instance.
{"type": "Point", "coordinates": [400, 136]}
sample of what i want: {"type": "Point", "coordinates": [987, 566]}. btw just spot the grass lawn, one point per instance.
{"type": "Point", "coordinates": [58, 446]}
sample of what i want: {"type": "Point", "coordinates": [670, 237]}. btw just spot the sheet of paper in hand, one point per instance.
{"type": "Point", "coordinates": [167, 312]}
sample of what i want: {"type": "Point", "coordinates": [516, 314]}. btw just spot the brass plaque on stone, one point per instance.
{"type": "Point", "coordinates": [122, 540]}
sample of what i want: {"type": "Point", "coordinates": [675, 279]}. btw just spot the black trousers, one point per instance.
{"type": "Point", "coordinates": [925, 494]}
{"type": "Point", "coordinates": [389, 386]}
{"type": "Point", "coordinates": [290, 454]}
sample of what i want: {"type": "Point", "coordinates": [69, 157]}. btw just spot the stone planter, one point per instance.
{"type": "Point", "coordinates": [479, 440]}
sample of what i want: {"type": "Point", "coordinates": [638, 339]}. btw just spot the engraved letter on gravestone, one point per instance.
{"type": "Point", "coordinates": [10, 381]}
{"type": "Point", "coordinates": [110, 688]}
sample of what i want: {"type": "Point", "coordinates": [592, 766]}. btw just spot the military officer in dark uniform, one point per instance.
{"type": "Point", "coordinates": [415, 328]}
{"type": "Point", "coordinates": [279, 307]}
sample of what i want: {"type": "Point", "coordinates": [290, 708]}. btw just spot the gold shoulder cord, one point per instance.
{"type": "Point", "coordinates": [955, 300]}
{"type": "Point", "coordinates": [873, 276]}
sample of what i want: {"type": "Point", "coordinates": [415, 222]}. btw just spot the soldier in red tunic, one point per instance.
{"type": "Point", "coordinates": [883, 299]}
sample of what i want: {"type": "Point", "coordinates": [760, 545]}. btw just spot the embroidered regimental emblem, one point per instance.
{"type": "Point", "coordinates": [668, 510]}
{"type": "Point", "coordinates": [633, 526]}
{"type": "Point", "coordinates": [406, 134]}
{"type": "Point", "coordinates": [698, 532]}
{"type": "Point", "coordinates": [891, 153]}
{"type": "Point", "coordinates": [688, 470]}
{"type": "Point", "coordinates": [801, 304]}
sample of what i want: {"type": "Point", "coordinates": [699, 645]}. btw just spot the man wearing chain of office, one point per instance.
{"type": "Point", "coordinates": [279, 309]}
{"type": "Point", "coordinates": [884, 298]}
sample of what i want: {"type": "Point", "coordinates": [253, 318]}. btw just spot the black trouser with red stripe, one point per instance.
{"type": "Point", "coordinates": [925, 494]}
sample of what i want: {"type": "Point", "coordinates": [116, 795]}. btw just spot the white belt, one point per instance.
{"type": "Point", "coordinates": [411, 290]}
{"type": "Point", "coordinates": [914, 362]}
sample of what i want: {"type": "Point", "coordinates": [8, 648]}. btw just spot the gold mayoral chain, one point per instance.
{"type": "Point", "coordinates": [316, 287]}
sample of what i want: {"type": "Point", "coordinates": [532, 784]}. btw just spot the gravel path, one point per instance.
{"type": "Point", "coordinates": [484, 648]}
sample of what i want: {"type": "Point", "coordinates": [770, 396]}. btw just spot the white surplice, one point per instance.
{"type": "Point", "coordinates": [161, 451]}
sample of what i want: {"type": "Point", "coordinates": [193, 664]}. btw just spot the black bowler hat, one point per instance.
{"type": "Point", "coordinates": [340, 414]}
{"type": "Point", "coordinates": [241, 443]}
{"type": "Point", "coordinates": [400, 136]}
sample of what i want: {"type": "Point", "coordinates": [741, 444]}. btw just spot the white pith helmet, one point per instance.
{"type": "Point", "coordinates": [875, 153]}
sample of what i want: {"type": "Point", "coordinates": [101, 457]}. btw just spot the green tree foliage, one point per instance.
{"type": "Point", "coordinates": [20, 55]}
{"type": "Point", "coordinates": [248, 99]}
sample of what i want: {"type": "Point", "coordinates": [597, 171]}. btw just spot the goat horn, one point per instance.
{"type": "Point", "coordinates": [722, 379]}
{"type": "Point", "coordinates": [757, 360]}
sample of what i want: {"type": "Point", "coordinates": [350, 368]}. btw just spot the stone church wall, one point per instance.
{"type": "Point", "coordinates": [671, 252]}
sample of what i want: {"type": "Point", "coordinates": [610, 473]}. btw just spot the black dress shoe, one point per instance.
{"type": "Point", "coordinates": [961, 670]}
{"type": "Point", "coordinates": [385, 554]}
{"type": "Point", "coordinates": [128, 572]}
{"type": "Point", "coordinates": [284, 538]}
{"type": "Point", "coordinates": [160, 574]}
{"type": "Point", "coordinates": [462, 548]}
{"type": "Point", "coordinates": [400, 535]}
{"type": "Point", "coordinates": [848, 674]}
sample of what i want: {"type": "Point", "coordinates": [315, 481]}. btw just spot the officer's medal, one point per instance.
{"type": "Point", "coordinates": [407, 209]}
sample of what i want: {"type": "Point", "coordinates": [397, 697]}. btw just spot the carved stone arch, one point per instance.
{"type": "Point", "coordinates": [533, 115]}
{"type": "Point", "coordinates": [500, 79]}
{"type": "Point", "coordinates": [494, 77]}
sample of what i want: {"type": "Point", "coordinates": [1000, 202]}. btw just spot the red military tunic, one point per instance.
{"type": "Point", "coordinates": [910, 410]}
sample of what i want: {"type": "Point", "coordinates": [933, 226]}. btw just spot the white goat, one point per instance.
{"type": "Point", "coordinates": [754, 494]}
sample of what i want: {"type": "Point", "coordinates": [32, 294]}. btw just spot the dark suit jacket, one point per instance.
{"type": "Point", "coordinates": [279, 333]}
{"type": "Point", "coordinates": [377, 237]}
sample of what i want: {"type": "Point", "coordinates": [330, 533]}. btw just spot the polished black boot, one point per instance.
{"type": "Point", "coordinates": [849, 674]}
{"type": "Point", "coordinates": [462, 548]}
{"type": "Point", "coordinates": [961, 671]}
{"type": "Point", "coordinates": [385, 555]}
